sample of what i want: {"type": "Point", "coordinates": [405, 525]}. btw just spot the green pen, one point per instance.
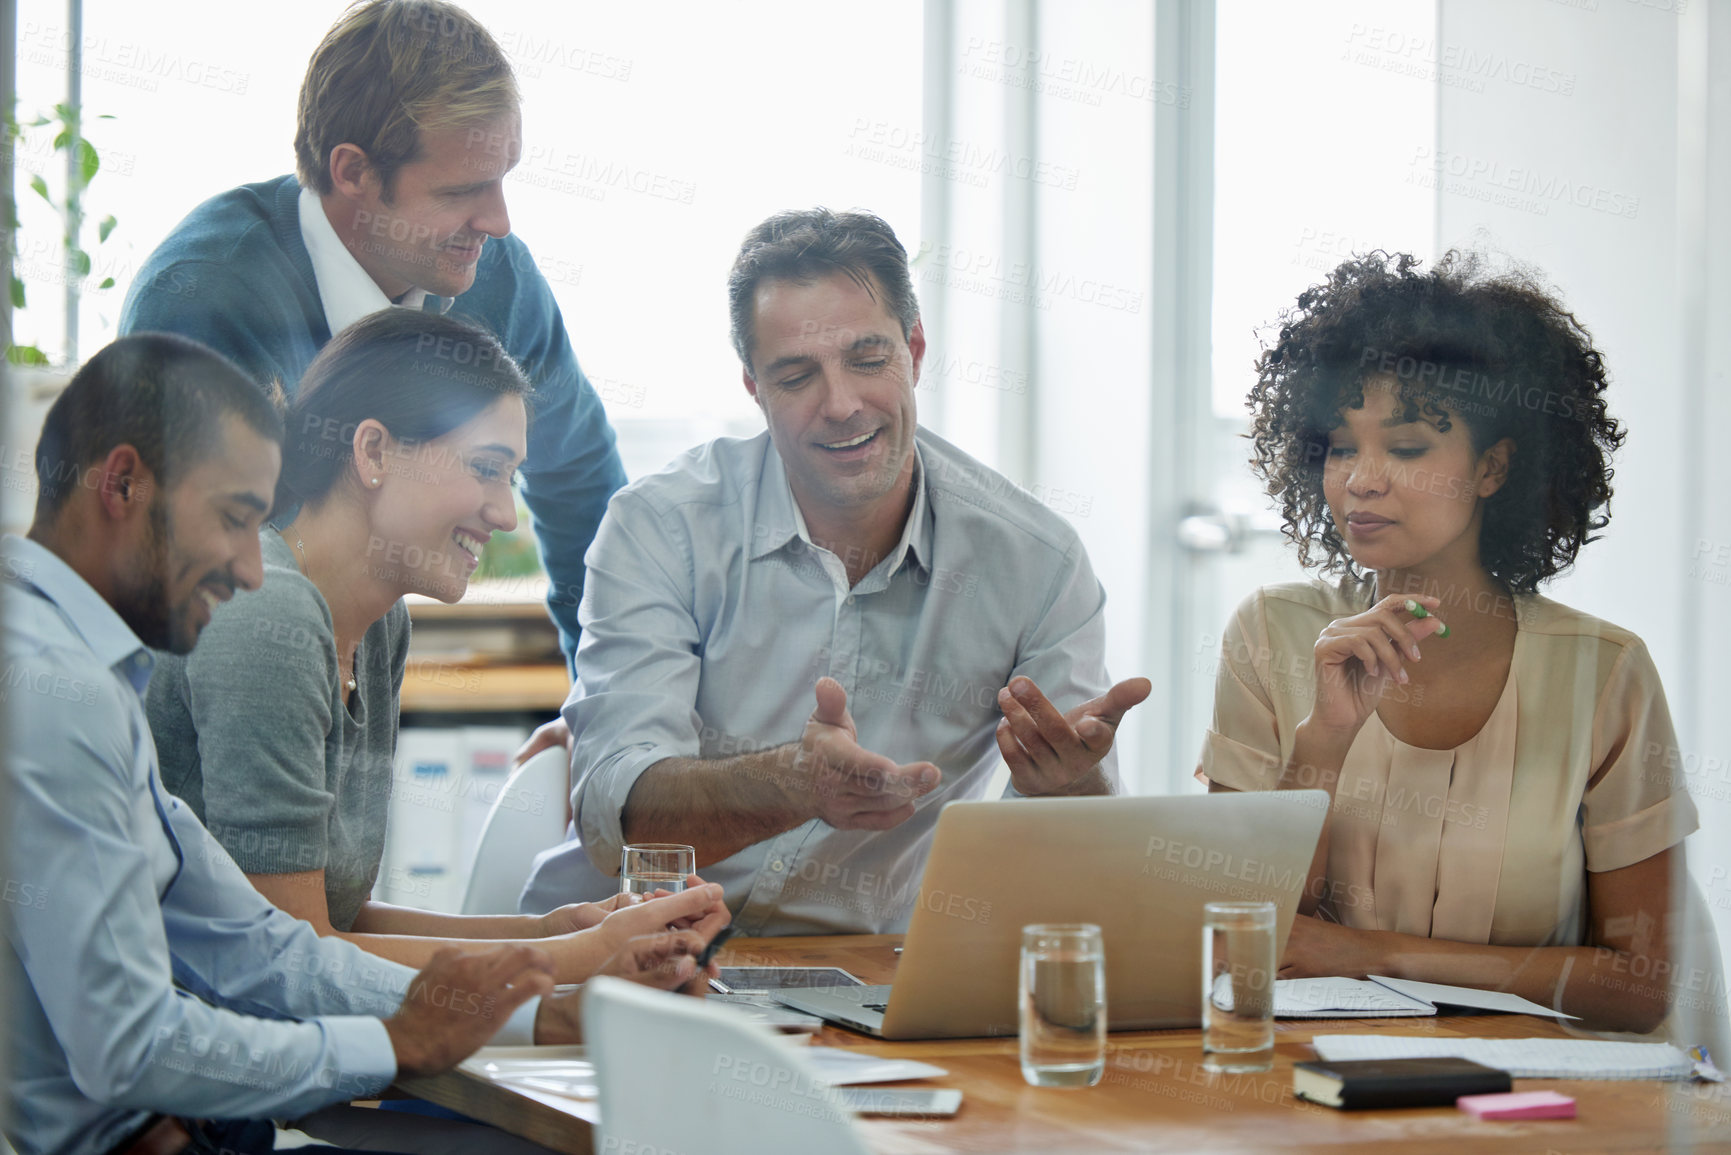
{"type": "Point", "coordinates": [1418, 611]}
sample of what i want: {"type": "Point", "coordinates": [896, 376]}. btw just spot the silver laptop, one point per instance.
{"type": "Point", "coordinates": [1141, 868]}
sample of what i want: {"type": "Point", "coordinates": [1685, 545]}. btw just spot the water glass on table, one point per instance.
{"type": "Point", "coordinates": [1063, 1005]}
{"type": "Point", "coordinates": [1238, 969]}
{"type": "Point", "coordinates": [646, 867]}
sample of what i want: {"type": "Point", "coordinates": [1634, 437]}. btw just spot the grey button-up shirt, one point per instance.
{"type": "Point", "coordinates": [709, 616]}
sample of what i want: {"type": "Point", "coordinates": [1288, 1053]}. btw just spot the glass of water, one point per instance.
{"type": "Point", "coordinates": [1238, 969]}
{"type": "Point", "coordinates": [1063, 1005]}
{"type": "Point", "coordinates": [646, 867]}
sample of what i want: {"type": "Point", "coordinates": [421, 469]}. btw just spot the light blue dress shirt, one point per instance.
{"type": "Point", "coordinates": [709, 616]}
{"type": "Point", "coordinates": [144, 972]}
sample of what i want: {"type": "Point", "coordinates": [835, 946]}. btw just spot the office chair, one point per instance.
{"type": "Point", "coordinates": [1698, 1013]}
{"type": "Point", "coordinates": [527, 817]}
{"type": "Point", "coordinates": [678, 1074]}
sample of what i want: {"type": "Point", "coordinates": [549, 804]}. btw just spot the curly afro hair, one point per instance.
{"type": "Point", "coordinates": [1495, 351]}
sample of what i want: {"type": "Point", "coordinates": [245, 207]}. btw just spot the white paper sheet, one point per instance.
{"type": "Point", "coordinates": [842, 1067]}
{"type": "Point", "coordinates": [1337, 998]}
{"type": "Point", "coordinates": [1383, 997]}
{"type": "Point", "coordinates": [1453, 996]}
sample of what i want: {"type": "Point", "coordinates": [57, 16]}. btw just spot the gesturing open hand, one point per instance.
{"type": "Point", "coordinates": [1049, 752]}
{"type": "Point", "coordinates": [852, 788]}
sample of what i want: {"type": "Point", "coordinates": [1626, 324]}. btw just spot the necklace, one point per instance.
{"type": "Point", "coordinates": [301, 548]}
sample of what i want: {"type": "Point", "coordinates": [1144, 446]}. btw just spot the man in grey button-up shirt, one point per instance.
{"type": "Point", "coordinates": [933, 610]}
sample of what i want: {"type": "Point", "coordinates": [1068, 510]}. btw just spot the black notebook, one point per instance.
{"type": "Point", "coordinates": [1395, 1082]}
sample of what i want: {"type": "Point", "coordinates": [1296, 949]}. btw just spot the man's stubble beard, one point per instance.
{"type": "Point", "coordinates": [145, 600]}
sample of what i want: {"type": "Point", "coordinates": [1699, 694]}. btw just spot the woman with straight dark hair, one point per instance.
{"type": "Point", "coordinates": [280, 729]}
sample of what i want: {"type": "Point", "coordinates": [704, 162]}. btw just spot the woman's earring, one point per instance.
{"type": "Point", "coordinates": [376, 482]}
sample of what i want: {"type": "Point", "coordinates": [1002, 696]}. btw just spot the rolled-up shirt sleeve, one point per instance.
{"type": "Point", "coordinates": [115, 969]}
{"type": "Point", "coordinates": [1635, 804]}
{"type": "Point", "coordinates": [638, 666]}
{"type": "Point", "coordinates": [1241, 749]}
{"type": "Point", "coordinates": [1064, 650]}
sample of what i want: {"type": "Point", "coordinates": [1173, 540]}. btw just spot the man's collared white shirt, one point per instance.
{"type": "Point", "coordinates": [347, 291]}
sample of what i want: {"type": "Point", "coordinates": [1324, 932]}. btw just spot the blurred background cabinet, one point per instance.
{"type": "Point", "coordinates": [481, 675]}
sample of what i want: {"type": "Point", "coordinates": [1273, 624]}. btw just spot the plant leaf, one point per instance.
{"type": "Point", "coordinates": [41, 187]}
{"type": "Point", "coordinates": [26, 355]}
{"type": "Point", "coordinates": [79, 262]}
{"type": "Point", "coordinates": [88, 162]}
{"type": "Point", "coordinates": [17, 292]}
{"type": "Point", "coordinates": [105, 227]}
{"type": "Point", "coordinates": [107, 283]}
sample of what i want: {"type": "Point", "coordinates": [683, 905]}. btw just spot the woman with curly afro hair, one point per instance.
{"type": "Point", "coordinates": [1438, 444]}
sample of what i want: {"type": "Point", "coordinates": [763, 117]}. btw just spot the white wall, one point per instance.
{"type": "Point", "coordinates": [1590, 138]}
{"type": "Point", "coordinates": [1706, 569]}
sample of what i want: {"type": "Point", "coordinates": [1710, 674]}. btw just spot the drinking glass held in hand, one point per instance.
{"type": "Point", "coordinates": [1063, 1005]}
{"type": "Point", "coordinates": [1238, 986]}
{"type": "Point", "coordinates": [646, 867]}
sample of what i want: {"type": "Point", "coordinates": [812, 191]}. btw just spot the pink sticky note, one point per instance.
{"type": "Point", "coordinates": [1518, 1105]}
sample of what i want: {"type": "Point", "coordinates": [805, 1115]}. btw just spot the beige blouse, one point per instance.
{"type": "Point", "coordinates": [1488, 842]}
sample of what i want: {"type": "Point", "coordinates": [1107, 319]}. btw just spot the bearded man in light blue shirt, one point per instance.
{"type": "Point", "coordinates": [932, 611]}
{"type": "Point", "coordinates": [151, 988]}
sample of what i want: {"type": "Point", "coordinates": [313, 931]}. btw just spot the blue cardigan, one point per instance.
{"type": "Point", "coordinates": [235, 275]}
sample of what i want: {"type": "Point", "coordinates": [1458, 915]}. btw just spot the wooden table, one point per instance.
{"type": "Point", "coordinates": [1156, 1096]}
